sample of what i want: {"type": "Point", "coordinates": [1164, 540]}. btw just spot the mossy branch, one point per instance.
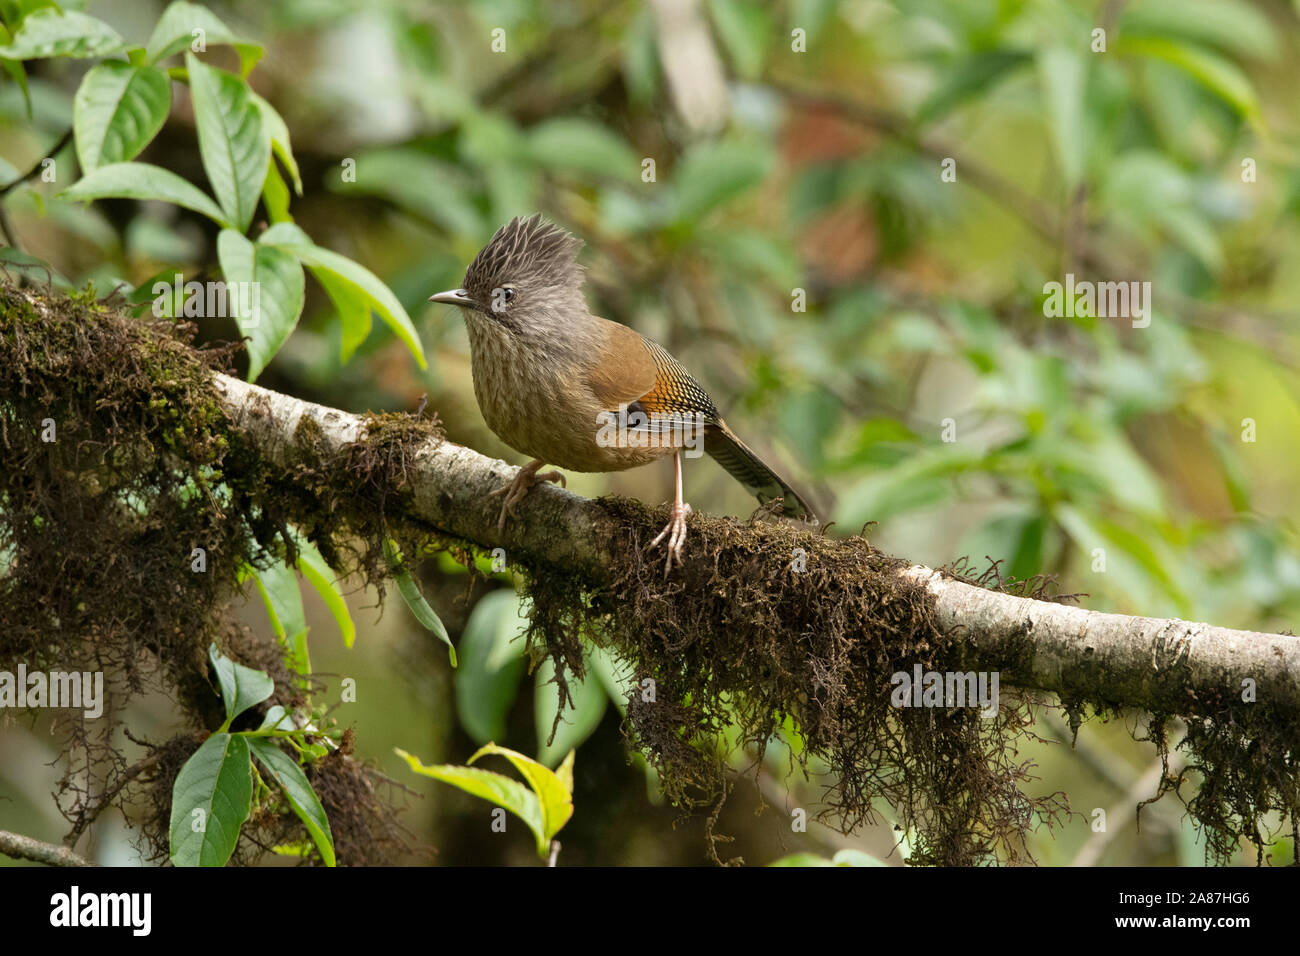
{"type": "Point", "coordinates": [1161, 665]}
{"type": "Point", "coordinates": [766, 629]}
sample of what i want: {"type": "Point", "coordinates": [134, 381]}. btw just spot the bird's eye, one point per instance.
{"type": "Point", "coordinates": [500, 296]}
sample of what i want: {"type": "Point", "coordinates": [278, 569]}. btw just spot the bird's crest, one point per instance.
{"type": "Point", "coordinates": [531, 252]}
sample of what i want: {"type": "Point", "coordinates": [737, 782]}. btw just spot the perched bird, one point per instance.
{"type": "Point", "coordinates": [571, 389]}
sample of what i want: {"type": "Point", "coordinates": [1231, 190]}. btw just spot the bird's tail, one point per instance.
{"type": "Point", "coordinates": [748, 469]}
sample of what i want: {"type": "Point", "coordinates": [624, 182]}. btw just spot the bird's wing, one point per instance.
{"type": "Point", "coordinates": [634, 370]}
{"type": "Point", "coordinates": [622, 369]}
{"type": "Point", "coordinates": [639, 373]}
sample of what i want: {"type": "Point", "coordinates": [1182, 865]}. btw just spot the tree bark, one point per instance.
{"type": "Point", "coordinates": [1159, 665]}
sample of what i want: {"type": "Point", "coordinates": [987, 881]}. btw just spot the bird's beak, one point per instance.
{"type": "Point", "coordinates": [454, 297]}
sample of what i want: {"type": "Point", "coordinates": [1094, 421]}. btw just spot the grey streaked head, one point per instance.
{"type": "Point", "coordinates": [528, 264]}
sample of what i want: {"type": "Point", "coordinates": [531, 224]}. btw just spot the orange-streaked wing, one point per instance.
{"type": "Point", "coordinates": [631, 369]}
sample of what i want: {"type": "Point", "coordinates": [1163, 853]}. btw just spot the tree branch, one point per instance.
{"type": "Point", "coordinates": [1158, 665]}
{"type": "Point", "coordinates": [25, 848]}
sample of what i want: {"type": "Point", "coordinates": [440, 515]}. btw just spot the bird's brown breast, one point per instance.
{"type": "Point", "coordinates": [544, 398]}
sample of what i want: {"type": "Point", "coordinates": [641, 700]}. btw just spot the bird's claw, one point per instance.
{"type": "Point", "coordinates": [675, 531]}
{"type": "Point", "coordinates": [518, 487]}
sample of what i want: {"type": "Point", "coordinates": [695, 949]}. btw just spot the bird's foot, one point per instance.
{"type": "Point", "coordinates": [675, 531]}
{"type": "Point", "coordinates": [514, 491]}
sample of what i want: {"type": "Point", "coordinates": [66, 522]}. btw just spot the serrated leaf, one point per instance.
{"type": "Point", "coordinates": [53, 32]}
{"type": "Point", "coordinates": [268, 310]}
{"type": "Point", "coordinates": [118, 110]}
{"type": "Point", "coordinates": [241, 687]}
{"type": "Point", "coordinates": [143, 181]}
{"type": "Point", "coordinates": [233, 141]}
{"type": "Point", "coordinates": [217, 780]}
{"type": "Point", "coordinates": [302, 798]}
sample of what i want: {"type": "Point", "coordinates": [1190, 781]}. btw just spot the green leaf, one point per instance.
{"type": "Point", "coordinates": [582, 146]}
{"type": "Point", "coordinates": [713, 174]}
{"type": "Point", "coordinates": [279, 589]}
{"type": "Point", "coordinates": [615, 675]}
{"type": "Point", "coordinates": [1220, 76]}
{"type": "Point", "coordinates": [233, 142]}
{"type": "Point", "coordinates": [492, 663]}
{"type": "Point", "coordinates": [289, 237]}
{"type": "Point", "coordinates": [429, 187]}
{"type": "Point", "coordinates": [175, 32]}
{"type": "Point", "coordinates": [812, 15]}
{"type": "Point", "coordinates": [34, 268]}
{"type": "Point", "coordinates": [414, 599]}
{"type": "Point", "coordinates": [16, 70]}
{"type": "Point", "coordinates": [970, 79]}
{"type": "Point", "coordinates": [921, 480]}
{"type": "Point", "coordinates": [53, 32]}
{"type": "Point", "coordinates": [277, 718]}
{"type": "Point", "coordinates": [745, 29]}
{"type": "Point", "coordinates": [241, 687]}
{"type": "Point", "coordinates": [1232, 25]}
{"type": "Point", "coordinates": [275, 195]}
{"type": "Point", "coordinates": [118, 110]}
{"type": "Point", "coordinates": [1063, 71]}
{"type": "Point", "coordinates": [640, 57]}
{"type": "Point", "coordinates": [143, 181]}
{"type": "Point", "coordinates": [279, 133]}
{"type": "Point", "coordinates": [273, 293]}
{"type": "Point", "coordinates": [217, 781]}
{"type": "Point", "coordinates": [1135, 563]}
{"type": "Point", "coordinates": [495, 788]}
{"type": "Point", "coordinates": [577, 723]}
{"type": "Point", "coordinates": [322, 577]}
{"type": "Point", "coordinates": [353, 307]}
{"type": "Point", "coordinates": [554, 793]}
{"type": "Point", "coordinates": [301, 797]}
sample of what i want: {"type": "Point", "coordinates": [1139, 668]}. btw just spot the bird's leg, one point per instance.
{"type": "Point", "coordinates": [516, 489]}
{"type": "Point", "coordinates": [676, 529]}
